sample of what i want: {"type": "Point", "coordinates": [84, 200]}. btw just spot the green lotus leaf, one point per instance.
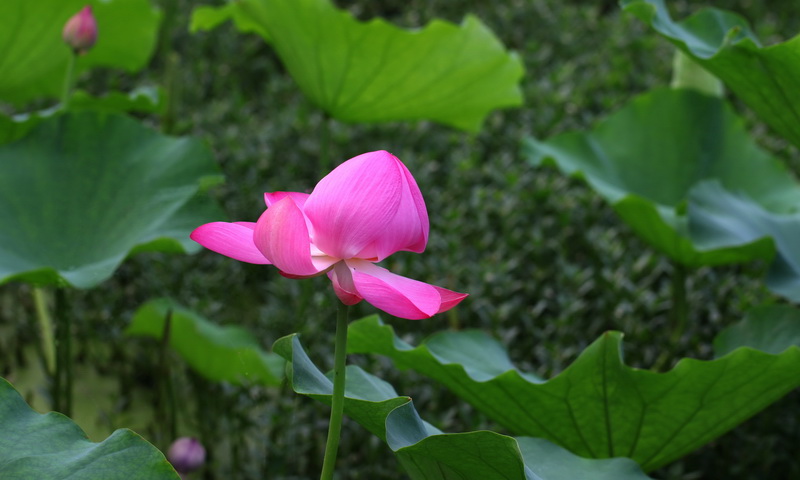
{"type": "Point", "coordinates": [377, 72]}
{"type": "Point", "coordinates": [645, 158]}
{"type": "Point", "coordinates": [209, 18]}
{"type": "Point", "coordinates": [17, 126]}
{"type": "Point", "coordinates": [719, 218]}
{"type": "Point", "coordinates": [145, 100]}
{"type": "Point", "coordinates": [429, 454]}
{"type": "Point", "coordinates": [227, 353]}
{"type": "Point", "coordinates": [766, 78]}
{"type": "Point", "coordinates": [34, 59]}
{"type": "Point", "coordinates": [769, 328]}
{"type": "Point", "coordinates": [52, 446]}
{"type": "Point", "coordinates": [598, 407]}
{"type": "Point", "coordinates": [83, 190]}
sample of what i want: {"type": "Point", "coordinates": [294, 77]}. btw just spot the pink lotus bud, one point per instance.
{"type": "Point", "coordinates": [80, 31]}
{"type": "Point", "coordinates": [186, 454]}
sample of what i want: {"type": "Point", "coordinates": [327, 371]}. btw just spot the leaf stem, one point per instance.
{"type": "Point", "coordinates": [677, 315]}
{"type": "Point", "coordinates": [337, 402]}
{"type": "Point", "coordinates": [46, 327]}
{"type": "Point", "coordinates": [166, 399]}
{"type": "Point", "coordinates": [62, 395]}
{"type": "Point", "coordinates": [168, 116]}
{"type": "Point", "coordinates": [679, 305]}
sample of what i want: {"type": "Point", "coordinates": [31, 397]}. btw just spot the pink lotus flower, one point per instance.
{"type": "Point", "coordinates": [80, 31]}
{"type": "Point", "coordinates": [366, 209]}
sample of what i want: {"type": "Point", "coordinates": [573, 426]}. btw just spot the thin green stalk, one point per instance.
{"type": "Point", "coordinates": [58, 389]}
{"type": "Point", "coordinates": [166, 400]}
{"type": "Point", "coordinates": [172, 408]}
{"type": "Point", "coordinates": [62, 382]}
{"type": "Point", "coordinates": [677, 315]}
{"type": "Point", "coordinates": [46, 328]}
{"type": "Point", "coordinates": [337, 402]}
{"type": "Point", "coordinates": [168, 118]}
{"type": "Point", "coordinates": [68, 78]}
{"type": "Point", "coordinates": [680, 308]}
{"type": "Point", "coordinates": [62, 392]}
{"type": "Point", "coordinates": [68, 354]}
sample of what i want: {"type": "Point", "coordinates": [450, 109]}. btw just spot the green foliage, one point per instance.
{"type": "Point", "coordinates": [208, 18]}
{"type": "Point", "coordinates": [143, 99]}
{"type": "Point", "coordinates": [52, 446]}
{"type": "Point", "coordinates": [598, 407]}
{"type": "Point", "coordinates": [147, 100]}
{"type": "Point", "coordinates": [720, 218]}
{"type": "Point", "coordinates": [34, 59]}
{"type": "Point", "coordinates": [645, 158]}
{"type": "Point", "coordinates": [766, 78]}
{"type": "Point", "coordinates": [84, 190]}
{"type": "Point", "coordinates": [228, 353]}
{"type": "Point", "coordinates": [770, 328]}
{"type": "Point", "coordinates": [429, 454]}
{"type": "Point", "coordinates": [688, 74]}
{"type": "Point", "coordinates": [375, 71]}
{"type": "Point", "coordinates": [548, 264]}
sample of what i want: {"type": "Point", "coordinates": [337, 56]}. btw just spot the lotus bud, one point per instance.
{"type": "Point", "coordinates": [80, 31]}
{"type": "Point", "coordinates": [186, 454]}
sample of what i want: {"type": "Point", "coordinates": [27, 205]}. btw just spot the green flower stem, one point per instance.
{"type": "Point", "coordinates": [68, 78]}
{"type": "Point", "coordinates": [62, 383]}
{"type": "Point", "coordinates": [46, 328]}
{"type": "Point", "coordinates": [337, 402]}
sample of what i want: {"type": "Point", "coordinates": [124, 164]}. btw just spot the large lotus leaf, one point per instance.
{"type": "Point", "coordinates": [83, 190]}
{"type": "Point", "coordinates": [146, 100]}
{"type": "Point", "coordinates": [769, 328]}
{"type": "Point", "coordinates": [766, 78]}
{"type": "Point", "coordinates": [52, 446]}
{"type": "Point", "coordinates": [720, 218]}
{"type": "Point", "coordinates": [375, 71]}
{"type": "Point", "coordinates": [228, 353]}
{"type": "Point", "coordinates": [598, 407]}
{"type": "Point", "coordinates": [34, 59]}
{"type": "Point", "coordinates": [429, 454]}
{"type": "Point", "coordinates": [646, 157]}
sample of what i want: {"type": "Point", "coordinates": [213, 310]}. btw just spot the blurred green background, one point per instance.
{"type": "Point", "coordinates": [548, 265]}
